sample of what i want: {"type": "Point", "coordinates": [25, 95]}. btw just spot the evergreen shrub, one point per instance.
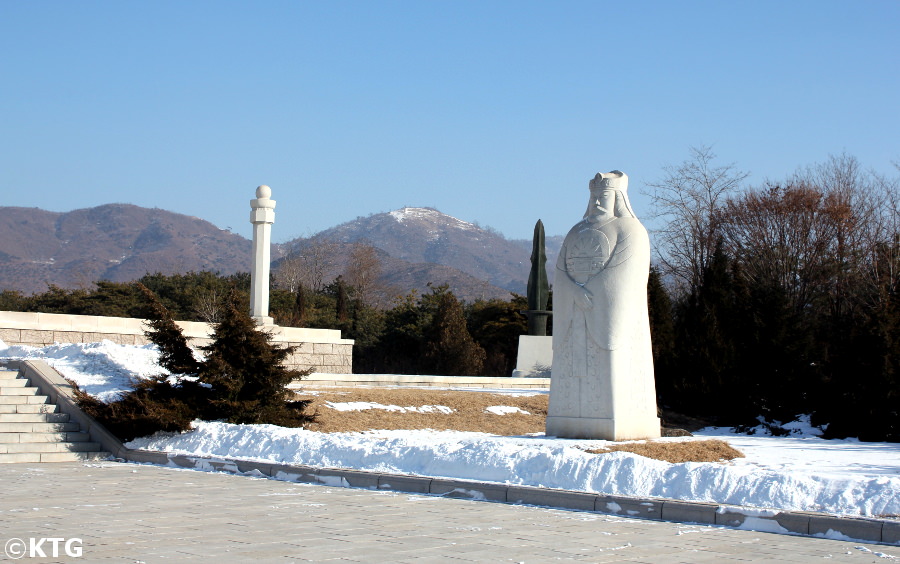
{"type": "Point", "coordinates": [241, 380]}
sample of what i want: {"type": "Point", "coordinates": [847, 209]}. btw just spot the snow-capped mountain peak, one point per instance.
{"type": "Point", "coordinates": [430, 215]}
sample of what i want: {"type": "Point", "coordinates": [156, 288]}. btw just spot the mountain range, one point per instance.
{"type": "Point", "coordinates": [425, 235]}
{"type": "Point", "coordinates": [117, 242]}
{"type": "Point", "coordinates": [122, 242]}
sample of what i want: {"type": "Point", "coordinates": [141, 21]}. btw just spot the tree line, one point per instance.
{"type": "Point", "coordinates": [779, 299]}
{"type": "Point", "coordinates": [419, 333]}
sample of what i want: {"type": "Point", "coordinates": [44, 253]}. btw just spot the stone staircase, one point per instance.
{"type": "Point", "coordinates": [31, 430]}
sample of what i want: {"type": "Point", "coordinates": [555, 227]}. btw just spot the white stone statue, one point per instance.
{"type": "Point", "coordinates": [601, 383]}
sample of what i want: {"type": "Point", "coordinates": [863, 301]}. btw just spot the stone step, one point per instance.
{"type": "Point", "coordinates": [28, 408]}
{"type": "Point", "coordinates": [39, 427]}
{"type": "Point", "coordinates": [14, 400]}
{"type": "Point", "coordinates": [20, 391]}
{"type": "Point", "coordinates": [82, 446]}
{"type": "Point", "coordinates": [12, 458]}
{"type": "Point", "coordinates": [14, 383]}
{"type": "Point", "coordinates": [34, 417]}
{"type": "Point", "coordinates": [32, 431]}
{"type": "Point", "coordinates": [69, 437]}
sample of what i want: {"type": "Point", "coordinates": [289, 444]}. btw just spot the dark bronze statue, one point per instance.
{"type": "Point", "coordinates": [538, 286]}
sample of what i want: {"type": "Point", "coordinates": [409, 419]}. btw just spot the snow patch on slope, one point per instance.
{"type": "Point", "coordinates": [431, 216]}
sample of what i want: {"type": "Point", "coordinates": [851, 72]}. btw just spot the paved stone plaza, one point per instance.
{"type": "Point", "coordinates": [142, 513]}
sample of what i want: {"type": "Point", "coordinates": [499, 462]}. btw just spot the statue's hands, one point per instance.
{"type": "Point", "coordinates": [584, 299]}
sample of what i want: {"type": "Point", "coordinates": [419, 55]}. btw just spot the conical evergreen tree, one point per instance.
{"type": "Point", "coordinates": [450, 349]}
{"type": "Point", "coordinates": [861, 392]}
{"type": "Point", "coordinates": [174, 353]}
{"type": "Point", "coordinates": [662, 334]}
{"type": "Point", "coordinates": [245, 371]}
{"type": "Point", "coordinates": [496, 326]}
{"type": "Point", "coordinates": [705, 350]}
{"type": "Point", "coordinates": [401, 348]}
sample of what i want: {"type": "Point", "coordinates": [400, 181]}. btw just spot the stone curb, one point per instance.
{"type": "Point", "coordinates": [784, 522]}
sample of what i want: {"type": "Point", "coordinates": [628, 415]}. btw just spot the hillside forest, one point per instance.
{"type": "Point", "coordinates": [766, 301]}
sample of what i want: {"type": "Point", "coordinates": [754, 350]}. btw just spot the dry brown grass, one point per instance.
{"type": "Point", "coordinates": [469, 415]}
{"type": "Point", "coordinates": [468, 411]}
{"type": "Point", "coordinates": [683, 451]}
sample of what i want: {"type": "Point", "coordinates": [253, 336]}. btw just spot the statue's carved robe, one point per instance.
{"type": "Point", "coordinates": [602, 359]}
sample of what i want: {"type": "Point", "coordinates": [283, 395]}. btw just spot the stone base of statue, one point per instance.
{"type": "Point", "coordinates": [602, 394]}
{"type": "Point", "coordinates": [619, 428]}
{"type": "Point", "coordinates": [535, 357]}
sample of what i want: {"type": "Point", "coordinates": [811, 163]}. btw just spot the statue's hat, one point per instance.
{"type": "Point", "coordinates": [614, 180]}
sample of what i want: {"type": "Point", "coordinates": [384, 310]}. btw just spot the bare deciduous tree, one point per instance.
{"type": "Point", "coordinates": [688, 200]}
{"type": "Point", "coordinates": [311, 263]}
{"type": "Point", "coordinates": [362, 272]}
{"type": "Point", "coordinates": [871, 222]}
{"type": "Point", "coordinates": [787, 237]}
{"type": "Point", "coordinates": [208, 306]}
{"type": "Point", "coordinates": [821, 234]}
{"type": "Point", "coordinates": [885, 265]}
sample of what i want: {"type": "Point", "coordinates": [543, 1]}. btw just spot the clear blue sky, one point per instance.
{"type": "Point", "coordinates": [492, 111]}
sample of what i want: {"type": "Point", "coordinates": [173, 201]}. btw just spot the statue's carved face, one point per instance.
{"type": "Point", "coordinates": [603, 204]}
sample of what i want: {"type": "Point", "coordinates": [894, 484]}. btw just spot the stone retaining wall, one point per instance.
{"type": "Point", "coordinates": [323, 350]}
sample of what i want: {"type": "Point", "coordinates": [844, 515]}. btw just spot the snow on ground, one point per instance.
{"type": "Point", "coordinates": [103, 369]}
{"type": "Point", "coordinates": [362, 405]}
{"type": "Point", "coordinates": [798, 472]}
{"type": "Point", "coordinates": [804, 474]}
{"type": "Point", "coordinates": [504, 409]}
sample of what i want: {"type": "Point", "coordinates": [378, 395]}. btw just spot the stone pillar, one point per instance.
{"type": "Point", "coordinates": [262, 216]}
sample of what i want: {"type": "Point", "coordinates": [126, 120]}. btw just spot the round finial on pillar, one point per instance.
{"type": "Point", "coordinates": [263, 192]}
